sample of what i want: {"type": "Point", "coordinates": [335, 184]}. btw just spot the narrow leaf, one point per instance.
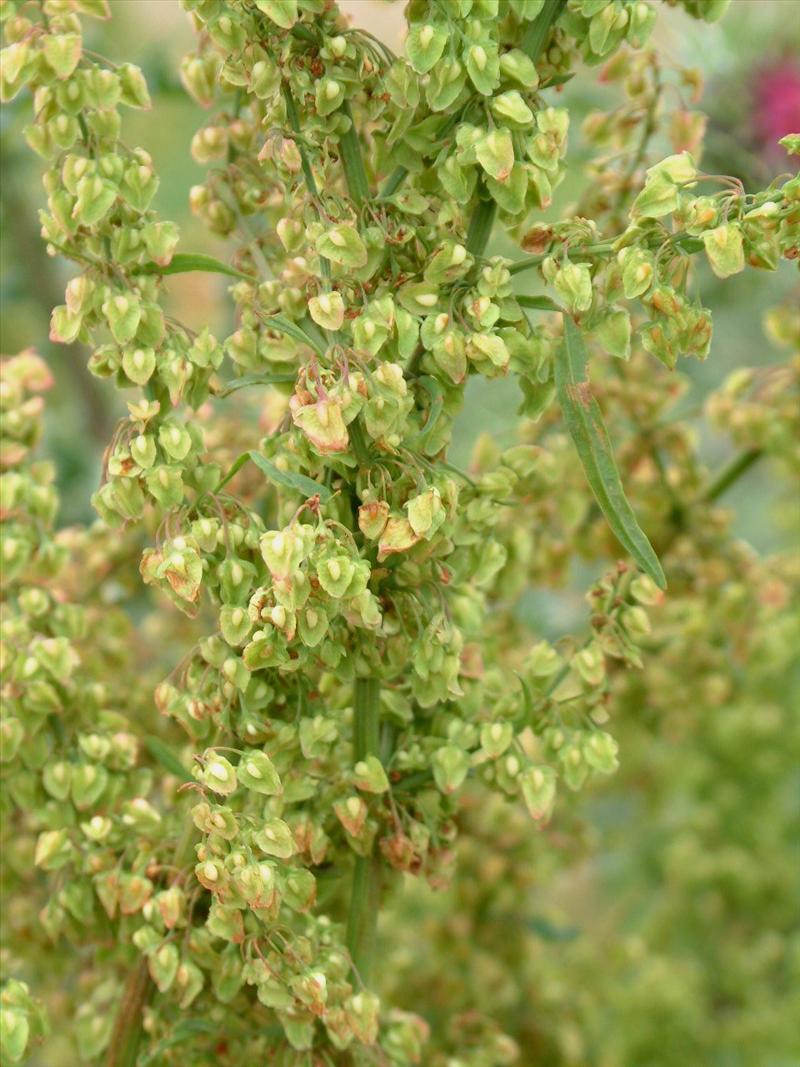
{"type": "Point", "coordinates": [236, 466]}
{"type": "Point", "coordinates": [538, 303]}
{"type": "Point", "coordinates": [186, 262]}
{"type": "Point", "coordinates": [291, 329]}
{"type": "Point", "coordinates": [255, 379]}
{"type": "Point", "coordinates": [307, 487]}
{"type": "Point", "coordinates": [164, 755]}
{"type": "Point", "coordinates": [586, 427]}
{"type": "Point", "coordinates": [557, 79]}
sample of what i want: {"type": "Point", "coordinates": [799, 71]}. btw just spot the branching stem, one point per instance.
{"type": "Point", "coordinates": [123, 1049]}
{"type": "Point", "coordinates": [731, 473]}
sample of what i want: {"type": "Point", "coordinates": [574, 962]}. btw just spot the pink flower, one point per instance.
{"type": "Point", "coordinates": [777, 103]}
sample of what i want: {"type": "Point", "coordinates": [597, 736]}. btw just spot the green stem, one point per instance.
{"type": "Point", "coordinates": [731, 473]}
{"type": "Point", "coordinates": [127, 1033]}
{"type": "Point", "coordinates": [587, 251]}
{"type": "Point", "coordinates": [683, 241]}
{"type": "Point", "coordinates": [362, 917]}
{"type": "Point", "coordinates": [480, 227]}
{"type": "Point", "coordinates": [294, 122]}
{"type": "Point", "coordinates": [360, 446]}
{"type": "Point", "coordinates": [535, 37]}
{"type": "Point", "coordinates": [123, 1049]}
{"type": "Point", "coordinates": [353, 162]}
{"type": "Point", "coordinates": [308, 174]}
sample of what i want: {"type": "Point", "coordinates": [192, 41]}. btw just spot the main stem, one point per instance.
{"type": "Point", "coordinates": [126, 1036]}
{"type": "Point", "coordinates": [480, 227]}
{"type": "Point", "coordinates": [362, 918]}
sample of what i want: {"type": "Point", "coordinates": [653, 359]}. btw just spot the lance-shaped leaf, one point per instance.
{"type": "Point", "coordinates": [291, 329]}
{"type": "Point", "coordinates": [186, 262]}
{"type": "Point", "coordinates": [300, 483]}
{"type": "Point", "coordinates": [255, 379]}
{"type": "Point", "coordinates": [585, 424]}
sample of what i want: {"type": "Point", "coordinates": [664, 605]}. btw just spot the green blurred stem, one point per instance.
{"type": "Point", "coordinates": [362, 917]}
{"type": "Point", "coordinates": [731, 473]}
{"type": "Point", "coordinates": [45, 289]}
{"type": "Point", "coordinates": [294, 122]}
{"type": "Point", "coordinates": [127, 1033]}
{"type": "Point", "coordinates": [123, 1050]}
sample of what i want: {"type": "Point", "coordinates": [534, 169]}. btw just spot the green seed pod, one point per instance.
{"type": "Point", "coordinates": [327, 310]}
{"type": "Point", "coordinates": [495, 738]}
{"type": "Point", "coordinates": [275, 839]}
{"type": "Point", "coordinates": [257, 772]}
{"type": "Point", "coordinates": [573, 283]}
{"type": "Point", "coordinates": [425, 45]}
{"type": "Point", "coordinates": [217, 773]}
{"type": "Point", "coordinates": [53, 850]}
{"type": "Point", "coordinates": [495, 153]}
{"type": "Point", "coordinates": [538, 785]}
{"type": "Point", "coordinates": [725, 249]}
{"type": "Point", "coordinates": [369, 776]}
{"type": "Point", "coordinates": [450, 766]}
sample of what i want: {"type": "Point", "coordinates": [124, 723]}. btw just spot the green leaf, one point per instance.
{"type": "Point", "coordinates": [256, 379]}
{"type": "Point", "coordinates": [186, 262]}
{"type": "Point", "coordinates": [185, 1029]}
{"type": "Point", "coordinates": [585, 424]}
{"type": "Point", "coordinates": [164, 755]}
{"type": "Point", "coordinates": [291, 329]}
{"type": "Point", "coordinates": [307, 487]}
{"type": "Point", "coordinates": [538, 303]}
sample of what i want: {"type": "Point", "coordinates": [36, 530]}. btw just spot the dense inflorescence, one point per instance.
{"type": "Point", "coordinates": [354, 664]}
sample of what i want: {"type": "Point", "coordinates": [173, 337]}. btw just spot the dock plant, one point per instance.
{"type": "Point", "coordinates": [219, 863]}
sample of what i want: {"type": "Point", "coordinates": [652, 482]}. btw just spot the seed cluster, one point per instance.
{"type": "Point", "coordinates": [359, 661]}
